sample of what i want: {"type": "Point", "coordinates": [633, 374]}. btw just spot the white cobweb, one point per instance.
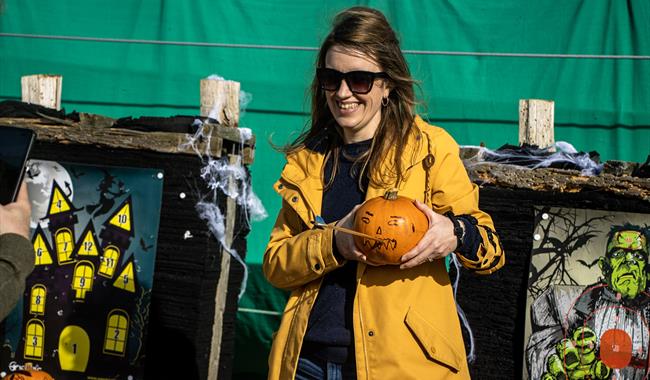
{"type": "Point", "coordinates": [223, 177]}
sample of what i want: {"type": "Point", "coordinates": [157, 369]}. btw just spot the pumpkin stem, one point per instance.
{"type": "Point", "coordinates": [391, 194]}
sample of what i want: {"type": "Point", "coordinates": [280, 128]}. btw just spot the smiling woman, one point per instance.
{"type": "Point", "coordinates": [356, 102]}
{"type": "Point", "coordinates": [348, 315]}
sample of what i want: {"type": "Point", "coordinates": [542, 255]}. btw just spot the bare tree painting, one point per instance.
{"type": "Point", "coordinates": [561, 233]}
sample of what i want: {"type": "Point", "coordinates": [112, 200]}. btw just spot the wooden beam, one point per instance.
{"type": "Point", "coordinates": [42, 89]}
{"type": "Point", "coordinates": [92, 131]}
{"type": "Point", "coordinates": [557, 180]}
{"type": "Point", "coordinates": [536, 118]}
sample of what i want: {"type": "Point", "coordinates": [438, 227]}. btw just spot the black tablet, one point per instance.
{"type": "Point", "coordinates": [15, 144]}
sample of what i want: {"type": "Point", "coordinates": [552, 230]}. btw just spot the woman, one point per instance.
{"type": "Point", "coordinates": [347, 316]}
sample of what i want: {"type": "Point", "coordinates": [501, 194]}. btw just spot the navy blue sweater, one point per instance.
{"type": "Point", "coordinates": [329, 333]}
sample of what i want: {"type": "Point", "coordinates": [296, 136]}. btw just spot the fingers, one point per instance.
{"type": "Point", "coordinates": [415, 261]}
{"type": "Point", "coordinates": [423, 245]}
{"type": "Point", "coordinates": [356, 255]}
{"type": "Point", "coordinates": [433, 245]}
{"type": "Point", "coordinates": [22, 193]}
{"type": "Point", "coordinates": [14, 217]}
{"type": "Point", "coordinates": [348, 220]}
{"type": "Point", "coordinates": [420, 254]}
{"type": "Point", "coordinates": [422, 258]}
{"type": "Point", "coordinates": [426, 210]}
{"type": "Point", "coordinates": [347, 248]}
{"type": "Point", "coordinates": [23, 198]}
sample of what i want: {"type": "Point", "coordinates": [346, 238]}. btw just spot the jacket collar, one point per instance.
{"type": "Point", "coordinates": [304, 168]}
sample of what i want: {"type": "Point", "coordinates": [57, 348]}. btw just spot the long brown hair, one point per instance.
{"type": "Point", "coordinates": [367, 31]}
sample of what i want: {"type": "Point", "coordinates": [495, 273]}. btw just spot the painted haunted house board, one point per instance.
{"type": "Point", "coordinates": [85, 309]}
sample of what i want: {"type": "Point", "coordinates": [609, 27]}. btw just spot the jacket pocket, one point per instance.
{"type": "Point", "coordinates": [432, 341]}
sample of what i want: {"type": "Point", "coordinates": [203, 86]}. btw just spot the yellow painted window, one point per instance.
{"type": "Point", "coordinates": [37, 300]}
{"type": "Point", "coordinates": [109, 261]}
{"type": "Point", "coordinates": [117, 328]}
{"type": "Point", "coordinates": [82, 280]}
{"type": "Point", "coordinates": [34, 340]}
{"type": "Point", "coordinates": [64, 245]}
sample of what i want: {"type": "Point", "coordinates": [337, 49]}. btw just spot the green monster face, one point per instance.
{"type": "Point", "coordinates": [627, 254]}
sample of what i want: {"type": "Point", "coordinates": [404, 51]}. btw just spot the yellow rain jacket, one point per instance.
{"type": "Point", "coordinates": [405, 321]}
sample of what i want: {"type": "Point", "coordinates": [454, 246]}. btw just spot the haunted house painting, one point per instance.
{"type": "Point", "coordinates": [85, 308]}
{"type": "Point", "coordinates": [588, 303]}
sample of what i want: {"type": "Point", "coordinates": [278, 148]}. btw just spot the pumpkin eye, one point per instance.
{"type": "Point", "coordinates": [395, 221]}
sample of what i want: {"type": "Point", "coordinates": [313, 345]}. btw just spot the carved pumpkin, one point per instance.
{"type": "Point", "coordinates": [395, 221]}
{"type": "Point", "coordinates": [28, 374]}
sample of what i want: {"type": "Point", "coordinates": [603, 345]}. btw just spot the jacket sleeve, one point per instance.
{"type": "Point", "coordinates": [296, 255]}
{"type": "Point", "coordinates": [453, 191]}
{"type": "Point", "coordinates": [16, 263]}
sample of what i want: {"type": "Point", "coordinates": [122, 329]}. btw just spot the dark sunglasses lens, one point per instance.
{"type": "Point", "coordinates": [329, 79]}
{"type": "Point", "coordinates": [360, 82]}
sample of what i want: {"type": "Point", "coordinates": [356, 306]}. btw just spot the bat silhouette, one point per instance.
{"type": "Point", "coordinates": [586, 264]}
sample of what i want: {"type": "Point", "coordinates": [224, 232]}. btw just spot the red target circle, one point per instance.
{"type": "Point", "coordinates": [616, 348]}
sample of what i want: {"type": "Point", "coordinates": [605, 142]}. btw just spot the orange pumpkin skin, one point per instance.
{"type": "Point", "coordinates": [395, 220]}
{"type": "Point", "coordinates": [29, 375]}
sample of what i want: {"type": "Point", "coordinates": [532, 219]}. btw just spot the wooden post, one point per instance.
{"type": "Point", "coordinates": [536, 118]}
{"type": "Point", "coordinates": [220, 101]}
{"type": "Point", "coordinates": [222, 285]}
{"type": "Point", "coordinates": [42, 89]}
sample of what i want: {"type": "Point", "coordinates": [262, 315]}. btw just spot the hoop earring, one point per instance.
{"type": "Point", "coordinates": [385, 101]}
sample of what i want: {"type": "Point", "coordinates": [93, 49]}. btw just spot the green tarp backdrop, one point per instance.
{"type": "Point", "coordinates": [117, 69]}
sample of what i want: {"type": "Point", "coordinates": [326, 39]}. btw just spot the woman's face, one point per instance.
{"type": "Point", "coordinates": [357, 114]}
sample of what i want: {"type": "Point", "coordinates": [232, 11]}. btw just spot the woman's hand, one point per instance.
{"type": "Point", "coordinates": [14, 217]}
{"type": "Point", "coordinates": [437, 242]}
{"type": "Point", "coordinates": [345, 242]}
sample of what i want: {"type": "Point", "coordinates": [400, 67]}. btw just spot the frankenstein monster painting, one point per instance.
{"type": "Point", "coordinates": [596, 331]}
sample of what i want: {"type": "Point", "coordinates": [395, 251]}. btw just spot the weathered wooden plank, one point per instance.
{"type": "Point", "coordinates": [222, 285]}
{"type": "Point", "coordinates": [42, 89]}
{"type": "Point", "coordinates": [86, 132]}
{"type": "Point", "coordinates": [562, 180]}
{"type": "Point", "coordinates": [220, 101]}
{"type": "Point", "coordinates": [536, 119]}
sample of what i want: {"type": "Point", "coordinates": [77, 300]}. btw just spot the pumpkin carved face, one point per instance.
{"type": "Point", "coordinates": [395, 221]}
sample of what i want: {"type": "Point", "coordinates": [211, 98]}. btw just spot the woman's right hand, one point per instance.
{"type": "Point", "coordinates": [345, 242]}
{"type": "Point", "coordinates": [14, 217]}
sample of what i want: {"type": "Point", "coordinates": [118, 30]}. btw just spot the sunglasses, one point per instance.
{"type": "Point", "coordinates": [359, 82]}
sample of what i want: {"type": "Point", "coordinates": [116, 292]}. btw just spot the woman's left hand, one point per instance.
{"type": "Point", "coordinates": [437, 242]}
